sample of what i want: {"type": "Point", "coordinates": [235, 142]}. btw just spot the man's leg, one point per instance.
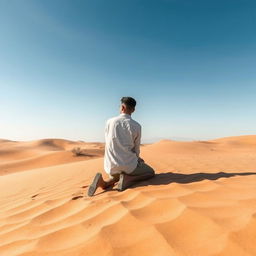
{"type": "Point", "coordinates": [143, 169]}
{"type": "Point", "coordinates": [99, 182]}
{"type": "Point", "coordinates": [111, 181]}
{"type": "Point", "coordinates": [141, 172]}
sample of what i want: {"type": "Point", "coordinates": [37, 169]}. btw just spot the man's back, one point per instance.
{"type": "Point", "coordinates": [122, 161]}
{"type": "Point", "coordinates": [122, 136]}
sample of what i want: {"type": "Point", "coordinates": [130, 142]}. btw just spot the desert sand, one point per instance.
{"type": "Point", "coordinates": [201, 202]}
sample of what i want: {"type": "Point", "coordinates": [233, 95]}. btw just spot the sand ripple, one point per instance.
{"type": "Point", "coordinates": [196, 212]}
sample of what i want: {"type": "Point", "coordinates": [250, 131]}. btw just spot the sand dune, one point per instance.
{"type": "Point", "coordinates": [201, 202]}
{"type": "Point", "coordinates": [20, 156]}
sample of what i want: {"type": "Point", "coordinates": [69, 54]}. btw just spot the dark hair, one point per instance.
{"type": "Point", "coordinates": [129, 102]}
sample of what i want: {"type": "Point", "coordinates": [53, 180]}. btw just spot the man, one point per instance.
{"type": "Point", "coordinates": [122, 161]}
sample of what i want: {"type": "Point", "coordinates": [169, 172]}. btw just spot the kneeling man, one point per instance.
{"type": "Point", "coordinates": [121, 160]}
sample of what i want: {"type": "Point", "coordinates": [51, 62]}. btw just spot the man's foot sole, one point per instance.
{"type": "Point", "coordinates": [92, 188]}
{"type": "Point", "coordinates": [120, 186]}
{"type": "Point", "coordinates": [127, 181]}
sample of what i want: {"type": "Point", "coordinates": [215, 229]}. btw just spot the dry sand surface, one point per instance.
{"type": "Point", "coordinates": [19, 156]}
{"type": "Point", "coordinates": [201, 202]}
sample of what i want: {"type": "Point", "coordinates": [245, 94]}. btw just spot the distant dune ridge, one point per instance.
{"type": "Point", "coordinates": [201, 202]}
{"type": "Point", "coordinates": [20, 156]}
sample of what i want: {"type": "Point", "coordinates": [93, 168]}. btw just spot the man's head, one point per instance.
{"type": "Point", "coordinates": [127, 105]}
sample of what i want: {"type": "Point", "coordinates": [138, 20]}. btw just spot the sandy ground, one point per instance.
{"type": "Point", "coordinates": [201, 202]}
{"type": "Point", "coordinates": [19, 156]}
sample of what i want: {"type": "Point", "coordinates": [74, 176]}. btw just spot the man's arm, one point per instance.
{"type": "Point", "coordinates": [137, 143]}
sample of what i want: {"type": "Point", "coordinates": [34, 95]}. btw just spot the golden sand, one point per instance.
{"type": "Point", "coordinates": [201, 202]}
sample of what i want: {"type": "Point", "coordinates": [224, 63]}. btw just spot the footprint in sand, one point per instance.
{"type": "Point", "coordinates": [34, 196]}
{"type": "Point", "coordinates": [77, 195]}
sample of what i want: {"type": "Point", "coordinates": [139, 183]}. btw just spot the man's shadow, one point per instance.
{"type": "Point", "coordinates": [172, 177]}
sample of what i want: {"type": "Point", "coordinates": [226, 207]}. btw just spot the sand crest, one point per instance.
{"type": "Point", "coordinates": [19, 156]}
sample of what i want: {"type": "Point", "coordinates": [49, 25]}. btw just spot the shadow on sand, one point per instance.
{"type": "Point", "coordinates": [170, 177]}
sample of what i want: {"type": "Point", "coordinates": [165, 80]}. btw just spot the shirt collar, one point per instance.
{"type": "Point", "coordinates": [126, 115]}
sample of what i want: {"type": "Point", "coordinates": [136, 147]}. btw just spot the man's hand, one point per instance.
{"type": "Point", "coordinates": [140, 160]}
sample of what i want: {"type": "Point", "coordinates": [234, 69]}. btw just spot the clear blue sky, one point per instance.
{"type": "Point", "coordinates": [64, 65]}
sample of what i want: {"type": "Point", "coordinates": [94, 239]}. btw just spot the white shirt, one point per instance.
{"type": "Point", "coordinates": [122, 149]}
